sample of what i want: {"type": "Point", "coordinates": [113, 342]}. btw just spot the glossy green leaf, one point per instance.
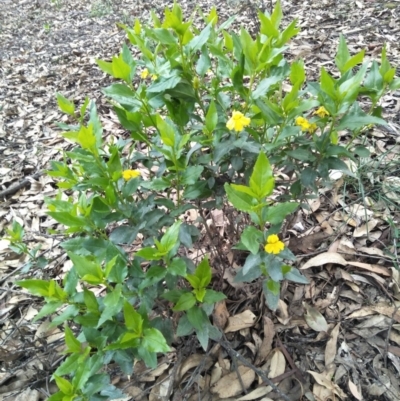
{"type": "Point", "coordinates": [186, 301]}
{"type": "Point", "coordinates": [73, 345]}
{"type": "Point", "coordinates": [277, 213]}
{"type": "Point", "coordinates": [356, 118]}
{"type": "Point", "coordinates": [133, 320]}
{"type": "Point", "coordinates": [239, 200]}
{"type": "Point", "coordinates": [261, 180]}
{"type": "Point", "coordinates": [251, 238]}
{"type": "Point", "coordinates": [154, 341]}
{"type": "Point", "coordinates": [65, 105]}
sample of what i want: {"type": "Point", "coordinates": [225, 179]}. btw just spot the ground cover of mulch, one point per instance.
{"type": "Point", "coordinates": [336, 338]}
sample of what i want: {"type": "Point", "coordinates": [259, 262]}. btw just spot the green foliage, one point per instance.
{"type": "Point", "coordinates": [203, 108]}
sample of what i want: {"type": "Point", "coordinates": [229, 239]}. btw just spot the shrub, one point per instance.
{"type": "Point", "coordinates": [209, 112]}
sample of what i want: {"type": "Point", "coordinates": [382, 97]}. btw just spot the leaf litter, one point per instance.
{"type": "Point", "coordinates": [341, 331]}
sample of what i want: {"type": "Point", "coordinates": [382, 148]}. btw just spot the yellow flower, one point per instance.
{"type": "Point", "coordinates": [154, 77]}
{"type": "Point", "coordinates": [238, 121]}
{"type": "Point", "coordinates": [321, 112]}
{"type": "Point", "coordinates": [313, 127]}
{"type": "Point", "coordinates": [144, 74]}
{"type": "Point", "coordinates": [303, 123]}
{"type": "Point", "coordinates": [274, 245]}
{"type": "Point", "coordinates": [129, 174]}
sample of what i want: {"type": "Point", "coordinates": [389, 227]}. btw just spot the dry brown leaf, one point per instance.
{"type": "Point", "coordinates": [355, 390]}
{"type": "Point", "coordinates": [326, 382]}
{"type": "Point", "coordinates": [366, 228]}
{"type": "Point", "coordinates": [255, 394]}
{"type": "Point", "coordinates": [331, 346]}
{"type": "Point", "coordinates": [266, 345]}
{"type": "Point", "coordinates": [193, 361]}
{"type": "Point", "coordinates": [323, 259]}
{"type": "Point", "coordinates": [230, 386]}
{"type": "Point", "coordinates": [220, 314]}
{"type": "Point", "coordinates": [372, 268]}
{"type": "Point", "coordinates": [278, 364]}
{"type": "Point", "coordinates": [241, 321]}
{"type": "Point", "coordinates": [314, 318]}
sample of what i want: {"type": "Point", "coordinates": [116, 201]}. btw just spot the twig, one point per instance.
{"type": "Point", "coordinates": [24, 183]}
{"type": "Point", "coordinates": [245, 362]}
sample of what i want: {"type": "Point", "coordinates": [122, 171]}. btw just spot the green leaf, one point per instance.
{"type": "Point", "coordinates": [177, 267]}
{"type": "Point", "coordinates": [264, 85]}
{"type": "Point", "coordinates": [165, 36]}
{"type": "Point", "coordinates": [73, 345]}
{"type": "Point", "coordinates": [68, 219]}
{"type": "Point", "coordinates": [252, 261]}
{"type": "Point", "coordinates": [167, 131]}
{"type": "Point", "coordinates": [113, 304]}
{"type": "Point", "coordinates": [120, 69]}
{"type": "Point", "coordinates": [65, 105]}
{"type": "Point", "coordinates": [239, 200]}
{"type": "Point", "coordinates": [267, 27]}
{"type": "Point", "coordinates": [154, 341]}
{"type": "Point", "coordinates": [244, 189]}
{"type": "Point", "coordinates": [164, 83]}
{"type": "Point", "coordinates": [124, 96]}
{"type": "Point", "coordinates": [198, 41]}
{"type": "Point", "coordinates": [171, 238]}
{"type": "Point", "coordinates": [186, 301]}
{"type": "Point", "coordinates": [48, 309]}
{"type": "Point", "coordinates": [191, 175]}
{"type": "Point", "coordinates": [297, 73]}
{"type": "Point", "coordinates": [249, 49]}
{"type": "Point", "coordinates": [90, 301]}
{"type": "Point", "coordinates": [193, 280]}
{"type": "Point", "coordinates": [356, 118]}
{"type": "Point", "coordinates": [251, 238]}
{"type": "Point", "coordinates": [212, 296]}
{"type": "Point", "coordinates": [295, 276]}
{"type": "Point", "coordinates": [211, 117]}
{"type": "Point", "coordinates": [342, 55]}
{"type": "Point", "coordinates": [357, 59]}
{"type": "Point", "coordinates": [261, 180]}
{"type": "Point", "coordinates": [68, 366]}
{"type": "Point", "coordinates": [133, 320]}
{"type": "Point", "coordinates": [86, 268]}
{"type": "Point", "coordinates": [277, 213]}
{"type": "Point", "coordinates": [105, 66]}
{"type": "Point", "coordinates": [197, 317]}
{"type": "Point", "coordinates": [204, 62]}
{"type": "Point", "coordinates": [277, 15]}
{"type": "Point", "coordinates": [203, 273]}
{"type": "Point", "coordinates": [199, 293]}
{"type": "Point", "coordinates": [272, 293]}
{"type": "Point", "coordinates": [328, 84]}
{"type": "Point", "coordinates": [64, 385]}
{"type": "Point", "coordinates": [174, 295]}
{"type": "Point", "coordinates": [35, 287]}
{"type": "Point", "coordinates": [149, 253]}
{"type": "Point", "coordinates": [184, 327]}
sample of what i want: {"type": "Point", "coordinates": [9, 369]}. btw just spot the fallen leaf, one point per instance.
{"type": "Point", "coordinates": [240, 321]}
{"type": "Point", "coordinates": [331, 346]}
{"type": "Point", "coordinates": [266, 345]}
{"type": "Point", "coordinates": [314, 318]}
{"type": "Point", "coordinates": [257, 393]}
{"type": "Point", "coordinates": [220, 314]}
{"type": "Point", "coordinates": [230, 385]}
{"type": "Point", "coordinates": [278, 364]}
{"type": "Point", "coordinates": [327, 383]}
{"type": "Point", "coordinates": [323, 259]}
{"type": "Point", "coordinates": [355, 390]}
